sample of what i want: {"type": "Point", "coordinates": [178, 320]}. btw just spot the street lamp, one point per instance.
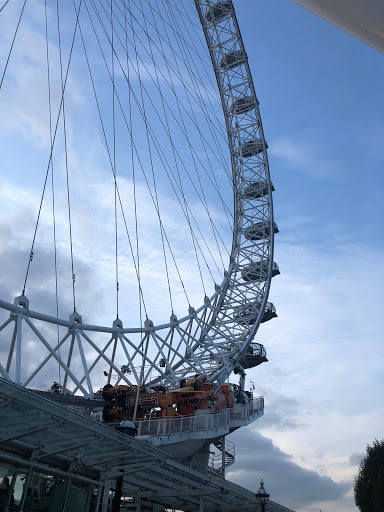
{"type": "Point", "coordinates": [262, 496]}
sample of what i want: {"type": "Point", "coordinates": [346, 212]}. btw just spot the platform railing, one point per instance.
{"type": "Point", "coordinates": [216, 460]}
{"type": "Point", "coordinates": [202, 420]}
{"type": "Point", "coordinates": [244, 411]}
{"type": "Point", "coordinates": [166, 426]}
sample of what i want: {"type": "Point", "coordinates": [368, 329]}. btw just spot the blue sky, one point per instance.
{"type": "Point", "coordinates": [321, 99]}
{"type": "Point", "coordinates": [320, 93]}
{"type": "Point", "coordinates": [321, 102]}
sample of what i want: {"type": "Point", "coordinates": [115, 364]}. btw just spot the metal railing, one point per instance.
{"type": "Point", "coordinates": [217, 461]}
{"type": "Point", "coordinates": [203, 420]}
{"type": "Point", "coordinates": [206, 420]}
{"type": "Point", "coordinates": [244, 411]}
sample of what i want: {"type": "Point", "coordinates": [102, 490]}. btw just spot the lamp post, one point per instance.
{"type": "Point", "coordinates": [262, 496]}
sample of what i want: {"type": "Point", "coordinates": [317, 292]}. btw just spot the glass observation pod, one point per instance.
{"type": "Point", "coordinates": [269, 313]}
{"type": "Point", "coordinates": [260, 230]}
{"type": "Point", "coordinates": [218, 12]}
{"type": "Point", "coordinates": [248, 314]}
{"type": "Point", "coordinates": [255, 355]}
{"type": "Point", "coordinates": [251, 148]}
{"type": "Point", "coordinates": [257, 189]}
{"type": "Point", "coordinates": [243, 105]}
{"type": "Point", "coordinates": [258, 271]}
{"type": "Point", "coordinates": [232, 59]}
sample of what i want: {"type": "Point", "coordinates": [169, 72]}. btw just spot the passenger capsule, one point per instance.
{"type": "Point", "coordinates": [218, 12]}
{"type": "Point", "coordinates": [258, 271]}
{"type": "Point", "coordinates": [243, 105]}
{"type": "Point", "coordinates": [232, 59]}
{"type": "Point", "coordinates": [254, 356]}
{"type": "Point", "coordinates": [269, 312]}
{"type": "Point", "coordinates": [248, 314]}
{"type": "Point", "coordinates": [260, 230]}
{"type": "Point", "coordinates": [251, 148]}
{"type": "Point", "coordinates": [257, 189]}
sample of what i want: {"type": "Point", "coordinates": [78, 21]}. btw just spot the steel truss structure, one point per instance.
{"type": "Point", "coordinates": [46, 438]}
{"type": "Point", "coordinates": [211, 339]}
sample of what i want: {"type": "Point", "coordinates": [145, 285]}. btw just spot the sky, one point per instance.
{"type": "Point", "coordinates": [321, 102]}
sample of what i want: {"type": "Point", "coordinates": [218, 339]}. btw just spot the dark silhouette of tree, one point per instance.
{"type": "Point", "coordinates": [369, 482]}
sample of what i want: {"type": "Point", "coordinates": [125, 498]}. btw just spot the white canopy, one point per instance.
{"type": "Point", "coordinates": [363, 19]}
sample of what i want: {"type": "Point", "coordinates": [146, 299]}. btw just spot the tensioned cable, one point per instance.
{"type": "Point", "coordinates": [151, 162]}
{"type": "Point", "coordinates": [146, 125]}
{"type": "Point", "coordinates": [181, 128]}
{"type": "Point", "coordinates": [207, 156]}
{"type": "Point", "coordinates": [195, 239]}
{"type": "Point", "coordinates": [114, 169]}
{"type": "Point", "coordinates": [147, 184]}
{"type": "Point", "coordinates": [193, 6]}
{"type": "Point", "coordinates": [206, 63]}
{"type": "Point", "coordinates": [133, 167]}
{"type": "Point", "coordinates": [52, 184]}
{"type": "Point", "coordinates": [182, 190]}
{"type": "Point", "coordinates": [213, 227]}
{"type": "Point", "coordinates": [66, 160]}
{"type": "Point", "coordinates": [51, 152]}
{"type": "Point", "coordinates": [177, 168]}
{"type": "Point", "coordinates": [13, 41]}
{"type": "Point", "coordinates": [187, 49]}
{"type": "Point", "coordinates": [223, 134]}
{"type": "Point", "coordinates": [140, 380]}
{"type": "Point", "coordinates": [5, 3]}
{"type": "Point", "coordinates": [138, 156]}
{"type": "Point", "coordinates": [135, 148]}
{"type": "Point", "coordinates": [176, 120]}
{"type": "Point", "coordinates": [154, 179]}
{"type": "Point", "coordinates": [137, 153]}
{"type": "Point", "coordinates": [107, 147]}
{"type": "Point", "coordinates": [213, 126]}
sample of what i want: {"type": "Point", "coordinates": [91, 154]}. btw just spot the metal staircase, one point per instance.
{"type": "Point", "coordinates": [226, 456]}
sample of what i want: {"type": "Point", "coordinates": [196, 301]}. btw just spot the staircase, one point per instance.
{"type": "Point", "coordinates": [218, 462]}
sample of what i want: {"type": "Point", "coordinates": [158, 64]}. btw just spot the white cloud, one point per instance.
{"type": "Point", "coordinates": [288, 483]}
{"type": "Point", "coordinates": [306, 155]}
{"type": "Point", "coordinates": [325, 364]}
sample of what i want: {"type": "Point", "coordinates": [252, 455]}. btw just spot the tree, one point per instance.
{"type": "Point", "coordinates": [369, 482]}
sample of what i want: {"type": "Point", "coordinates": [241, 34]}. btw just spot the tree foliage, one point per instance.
{"type": "Point", "coordinates": [369, 482]}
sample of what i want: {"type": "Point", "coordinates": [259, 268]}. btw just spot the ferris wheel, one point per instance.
{"type": "Point", "coordinates": [141, 121]}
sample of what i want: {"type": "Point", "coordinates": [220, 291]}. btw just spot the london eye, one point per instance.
{"type": "Point", "coordinates": [164, 94]}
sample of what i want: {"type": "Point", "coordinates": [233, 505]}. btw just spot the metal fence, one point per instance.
{"type": "Point", "coordinates": [201, 420]}
{"type": "Point", "coordinates": [244, 411]}
{"type": "Point", "coordinates": [166, 426]}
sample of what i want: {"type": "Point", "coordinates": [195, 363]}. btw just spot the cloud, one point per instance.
{"type": "Point", "coordinates": [288, 483]}
{"type": "Point", "coordinates": [94, 262]}
{"type": "Point", "coordinates": [283, 412]}
{"type": "Point", "coordinates": [14, 255]}
{"type": "Point", "coordinates": [356, 458]}
{"type": "Point", "coordinates": [325, 361]}
{"type": "Point", "coordinates": [24, 95]}
{"type": "Point", "coordinates": [306, 156]}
